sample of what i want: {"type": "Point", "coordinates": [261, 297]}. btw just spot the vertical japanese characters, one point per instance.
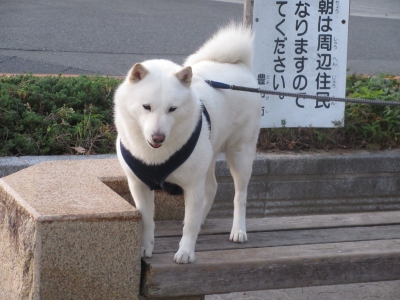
{"type": "Point", "coordinates": [300, 50]}
{"type": "Point", "coordinates": [279, 52]}
{"type": "Point", "coordinates": [301, 47]}
{"type": "Point", "coordinates": [324, 51]}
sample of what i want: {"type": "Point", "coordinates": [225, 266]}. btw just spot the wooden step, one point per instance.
{"type": "Point", "coordinates": [213, 226]}
{"type": "Point", "coordinates": [280, 253]}
{"type": "Point", "coordinates": [254, 269]}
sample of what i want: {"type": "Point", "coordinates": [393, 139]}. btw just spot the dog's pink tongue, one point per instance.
{"type": "Point", "coordinates": [155, 145]}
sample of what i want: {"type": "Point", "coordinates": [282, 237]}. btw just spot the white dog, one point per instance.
{"type": "Point", "coordinates": [171, 126]}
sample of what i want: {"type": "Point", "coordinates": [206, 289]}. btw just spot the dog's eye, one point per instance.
{"type": "Point", "coordinates": [172, 108]}
{"type": "Point", "coordinates": [147, 107]}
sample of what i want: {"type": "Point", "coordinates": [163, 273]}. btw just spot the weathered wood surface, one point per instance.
{"type": "Point", "coordinates": [280, 253]}
{"type": "Point", "coordinates": [271, 268]}
{"type": "Point", "coordinates": [215, 226]}
{"type": "Point", "coordinates": [284, 238]}
{"type": "Point", "coordinates": [200, 297]}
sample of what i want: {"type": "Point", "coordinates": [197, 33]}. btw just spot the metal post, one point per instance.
{"type": "Point", "coordinates": [248, 13]}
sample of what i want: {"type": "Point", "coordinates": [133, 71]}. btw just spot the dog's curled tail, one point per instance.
{"type": "Point", "coordinates": [232, 44]}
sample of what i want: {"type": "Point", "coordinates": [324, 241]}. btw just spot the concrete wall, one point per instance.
{"type": "Point", "coordinates": [284, 184]}
{"type": "Point", "coordinates": [290, 184]}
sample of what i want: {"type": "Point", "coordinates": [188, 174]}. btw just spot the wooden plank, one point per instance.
{"type": "Point", "coordinates": [214, 226]}
{"type": "Point", "coordinates": [284, 238]}
{"type": "Point", "coordinates": [199, 297]}
{"type": "Point", "coordinates": [272, 268]}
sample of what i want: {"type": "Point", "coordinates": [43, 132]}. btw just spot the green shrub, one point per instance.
{"type": "Point", "coordinates": [365, 126]}
{"type": "Point", "coordinates": [369, 125]}
{"type": "Point", "coordinates": [56, 115]}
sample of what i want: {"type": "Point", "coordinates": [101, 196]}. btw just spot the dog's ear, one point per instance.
{"type": "Point", "coordinates": [185, 75]}
{"type": "Point", "coordinates": [137, 73]}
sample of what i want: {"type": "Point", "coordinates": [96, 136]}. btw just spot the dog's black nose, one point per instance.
{"type": "Point", "coordinates": [158, 138]}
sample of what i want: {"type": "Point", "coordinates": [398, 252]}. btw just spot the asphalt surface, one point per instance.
{"type": "Point", "coordinates": [103, 36]}
{"type": "Point", "coordinates": [107, 37]}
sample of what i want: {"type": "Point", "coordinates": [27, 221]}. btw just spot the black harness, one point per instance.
{"type": "Point", "coordinates": [154, 175]}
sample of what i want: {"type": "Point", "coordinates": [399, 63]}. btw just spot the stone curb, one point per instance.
{"type": "Point", "coordinates": [264, 164]}
{"type": "Point", "coordinates": [9, 165]}
{"type": "Point", "coordinates": [292, 184]}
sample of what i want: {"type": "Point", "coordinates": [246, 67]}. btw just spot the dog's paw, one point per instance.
{"type": "Point", "coordinates": [146, 252]}
{"type": "Point", "coordinates": [238, 236]}
{"type": "Point", "coordinates": [184, 257]}
{"type": "Point", "coordinates": [147, 249]}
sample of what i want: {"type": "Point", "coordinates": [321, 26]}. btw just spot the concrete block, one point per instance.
{"type": "Point", "coordinates": [33, 160]}
{"type": "Point", "coordinates": [324, 163]}
{"type": "Point", "coordinates": [221, 167]}
{"type": "Point", "coordinates": [9, 165]}
{"type": "Point", "coordinates": [223, 203]}
{"type": "Point", "coordinates": [226, 191]}
{"type": "Point", "coordinates": [255, 209]}
{"type": "Point", "coordinates": [65, 234]}
{"type": "Point", "coordinates": [168, 207]}
{"type": "Point", "coordinates": [331, 183]}
{"type": "Point", "coordinates": [17, 247]}
{"type": "Point", "coordinates": [338, 187]}
{"type": "Point", "coordinates": [332, 206]}
{"type": "Point", "coordinates": [261, 164]}
{"type": "Point", "coordinates": [84, 259]}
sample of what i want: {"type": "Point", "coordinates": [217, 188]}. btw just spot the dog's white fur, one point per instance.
{"type": "Point", "coordinates": [162, 85]}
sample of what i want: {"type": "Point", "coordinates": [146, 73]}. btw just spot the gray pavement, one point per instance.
{"type": "Point", "coordinates": [107, 37]}
{"type": "Point", "coordinates": [376, 8]}
{"type": "Point", "coordinates": [102, 36]}
{"type": "Point", "coordinates": [374, 37]}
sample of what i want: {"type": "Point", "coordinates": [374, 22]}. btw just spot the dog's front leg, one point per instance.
{"type": "Point", "coordinates": [194, 197]}
{"type": "Point", "coordinates": [144, 201]}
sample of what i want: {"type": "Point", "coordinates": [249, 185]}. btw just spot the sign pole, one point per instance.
{"type": "Point", "coordinates": [248, 13]}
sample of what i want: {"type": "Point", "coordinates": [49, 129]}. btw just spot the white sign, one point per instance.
{"type": "Point", "coordinates": [301, 47]}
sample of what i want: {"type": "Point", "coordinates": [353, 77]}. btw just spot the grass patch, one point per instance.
{"type": "Point", "coordinates": [57, 115]}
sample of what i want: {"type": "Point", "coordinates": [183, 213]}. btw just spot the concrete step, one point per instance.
{"type": "Point", "coordinates": [283, 184]}
{"type": "Point", "coordinates": [64, 223]}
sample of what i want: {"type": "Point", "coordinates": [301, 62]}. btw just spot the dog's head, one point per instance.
{"type": "Point", "coordinates": [157, 96]}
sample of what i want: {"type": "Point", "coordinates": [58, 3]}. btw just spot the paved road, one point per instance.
{"type": "Point", "coordinates": [107, 37]}
{"type": "Point", "coordinates": [103, 36]}
{"type": "Point", "coordinates": [374, 36]}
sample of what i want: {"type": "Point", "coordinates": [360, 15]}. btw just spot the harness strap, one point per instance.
{"type": "Point", "coordinates": [154, 176]}
{"type": "Point", "coordinates": [205, 112]}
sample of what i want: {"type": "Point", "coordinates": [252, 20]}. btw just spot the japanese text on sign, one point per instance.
{"type": "Point", "coordinates": [301, 47]}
